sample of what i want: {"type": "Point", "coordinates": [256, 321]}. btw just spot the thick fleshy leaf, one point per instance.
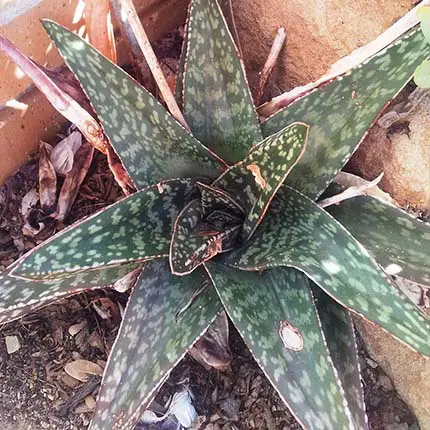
{"type": "Point", "coordinates": [218, 105]}
{"type": "Point", "coordinates": [275, 314]}
{"type": "Point", "coordinates": [339, 333]}
{"type": "Point", "coordinates": [341, 112]}
{"type": "Point", "coordinates": [399, 243]}
{"type": "Point", "coordinates": [19, 297]}
{"type": "Point", "coordinates": [256, 179]}
{"type": "Point", "coordinates": [298, 233]}
{"type": "Point", "coordinates": [163, 319]}
{"type": "Point", "coordinates": [195, 240]}
{"type": "Point", "coordinates": [422, 74]}
{"type": "Point", "coordinates": [150, 143]}
{"type": "Point", "coordinates": [215, 199]}
{"type": "Point", "coordinates": [136, 228]}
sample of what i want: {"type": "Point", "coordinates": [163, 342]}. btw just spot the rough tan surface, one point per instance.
{"type": "Point", "coordinates": [409, 370]}
{"type": "Point", "coordinates": [404, 157]}
{"type": "Point", "coordinates": [319, 32]}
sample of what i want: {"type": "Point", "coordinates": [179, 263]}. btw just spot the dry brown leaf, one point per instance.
{"type": "Point", "coordinates": [76, 328]}
{"type": "Point", "coordinates": [29, 201]}
{"type": "Point", "coordinates": [64, 152]}
{"type": "Point", "coordinates": [47, 179]}
{"type": "Point", "coordinates": [73, 181]}
{"type": "Point", "coordinates": [125, 283]}
{"type": "Point", "coordinates": [99, 27]}
{"type": "Point", "coordinates": [81, 369]}
{"type": "Point", "coordinates": [213, 349]}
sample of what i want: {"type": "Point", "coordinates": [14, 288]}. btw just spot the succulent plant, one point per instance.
{"type": "Point", "coordinates": [227, 217]}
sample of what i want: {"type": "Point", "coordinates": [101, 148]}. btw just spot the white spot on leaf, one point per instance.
{"type": "Point", "coordinates": [291, 336]}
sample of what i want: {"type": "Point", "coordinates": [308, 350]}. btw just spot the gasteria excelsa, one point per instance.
{"type": "Point", "coordinates": [227, 217]}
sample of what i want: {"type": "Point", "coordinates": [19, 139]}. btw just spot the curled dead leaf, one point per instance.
{"type": "Point", "coordinates": [213, 349]}
{"type": "Point", "coordinates": [47, 179]}
{"type": "Point", "coordinates": [126, 282]}
{"type": "Point", "coordinates": [64, 152]}
{"type": "Point", "coordinates": [81, 369]}
{"type": "Point", "coordinates": [259, 180]}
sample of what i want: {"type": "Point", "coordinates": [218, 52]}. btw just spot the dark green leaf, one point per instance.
{"type": "Point", "coordinates": [339, 333]}
{"type": "Point", "coordinates": [298, 233]}
{"type": "Point", "coordinates": [399, 243]}
{"type": "Point", "coordinates": [136, 228]}
{"type": "Point", "coordinates": [256, 179]}
{"type": "Point", "coordinates": [151, 144]}
{"type": "Point", "coordinates": [341, 112]}
{"type": "Point", "coordinates": [158, 328]}
{"type": "Point", "coordinates": [217, 102]}
{"type": "Point", "coordinates": [275, 314]}
{"type": "Point", "coordinates": [195, 241]}
{"type": "Point", "coordinates": [19, 297]}
{"type": "Point", "coordinates": [214, 199]}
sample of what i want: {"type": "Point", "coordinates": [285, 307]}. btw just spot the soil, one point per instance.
{"type": "Point", "coordinates": [36, 392]}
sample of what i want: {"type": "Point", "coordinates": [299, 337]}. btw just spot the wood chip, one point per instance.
{"type": "Point", "coordinates": [12, 344]}
{"type": "Point", "coordinates": [76, 328]}
{"type": "Point", "coordinates": [81, 369]}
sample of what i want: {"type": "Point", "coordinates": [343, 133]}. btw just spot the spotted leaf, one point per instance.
{"type": "Point", "coordinates": [215, 199]}
{"type": "Point", "coordinates": [256, 179]}
{"type": "Point", "coordinates": [217, 103]}
{"type": "Point", "coordinates": [399, 243]}
{"type": "Point", "coordinates": [298, 233]}
{"type": "Point", "coordinates": [163, 319]}
{"type": "Point", "coordinates": [136, 228]}
{"type": "Point", "coordinates": [275, 314]}
{"type": "Point", "coordinates": [340, 113]}
{"type": "Point", "coordinates": [19, 297]}
{"type": "Point", "coordinates": [195, 240]}
{"type": "Point", "coordinates": [150, 143]}
{"type": "Point", "coordinates": [336, 323]}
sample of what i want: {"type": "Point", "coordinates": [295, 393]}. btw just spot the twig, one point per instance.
{"type": "Point", "coordinates": [347, 63]}
{"type": "Point", "coordinates": [277, 45]}
{"type": "Point", "coordinates": [129, 13]}
{"type": "Point", "coordinates": [350, 192]}
{"type": "Point", "coordinates": [86, 390]}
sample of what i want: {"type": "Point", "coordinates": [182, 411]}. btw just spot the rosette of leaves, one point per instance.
{"type": "Point", "coordinates": [227, 217]}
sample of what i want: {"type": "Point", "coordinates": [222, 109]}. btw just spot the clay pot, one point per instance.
{"type": "Point", "coordinates": [26, 116]}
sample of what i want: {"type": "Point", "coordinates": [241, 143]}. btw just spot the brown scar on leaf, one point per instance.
{"type": "Point", "coordinates": [214, 247]}
{"type": "Point", "coordinates": [290, 336]}
{"type": "Point", "coordinates": [255, 170]}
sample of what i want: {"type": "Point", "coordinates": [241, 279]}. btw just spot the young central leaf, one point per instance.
{"type": "Point", "coordinates": [256, 179]}
{"type": "Point", "coordinates": [217, 103]}
{"type": "Point", "coordinates": [197, 239]}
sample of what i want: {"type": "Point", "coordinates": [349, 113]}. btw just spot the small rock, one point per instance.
{"type": "Point", "coordinates": [12, 344]}
{"type": "Point", "coordinates": [385, 382]}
